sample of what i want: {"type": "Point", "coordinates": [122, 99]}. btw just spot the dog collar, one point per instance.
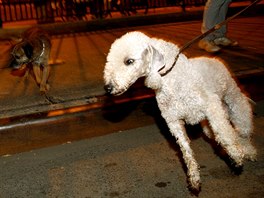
{"type": "Point", "coordinates": [43, 49]}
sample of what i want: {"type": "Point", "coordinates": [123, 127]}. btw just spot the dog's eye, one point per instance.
{"type": "Point", "coordinates": [16, 56]}
{"type": "Point", "coordinates": [129, 61]}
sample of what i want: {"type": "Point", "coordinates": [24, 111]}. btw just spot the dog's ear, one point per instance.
{"type": "Point", "coordinates": [28, 49]}
{"type": "Point", "coordinates": [157, 61]}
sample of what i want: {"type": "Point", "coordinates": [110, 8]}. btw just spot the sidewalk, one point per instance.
{"type": "Point", "coordinates": [79, 81]}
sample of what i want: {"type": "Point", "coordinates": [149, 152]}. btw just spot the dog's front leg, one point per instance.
{"type": "Point", "coordinates": [45, 74]}
{"type": "Point", "coordinates": [178, 131]}
{"type": "Point", "coordinates": [37, 73]}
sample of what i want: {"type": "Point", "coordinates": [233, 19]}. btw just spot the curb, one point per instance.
{"type": "Point", "coordinates": [43, 129]}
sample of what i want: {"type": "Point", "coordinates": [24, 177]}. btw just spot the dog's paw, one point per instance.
{"type": "Point", "coordinates": [251, 154]}
{"type": "Point", "coordinates": [194, 176]}
{"type": "Point", "coordinates": [44, 88]}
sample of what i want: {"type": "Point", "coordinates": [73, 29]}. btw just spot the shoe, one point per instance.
{"type": "Point", "coordinates": [208, 46]}
{"type": "Point", "coordinates": [224, 41]}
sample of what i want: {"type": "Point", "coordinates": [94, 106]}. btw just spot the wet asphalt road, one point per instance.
{"type": "Point", "coordinates": [142, 162]}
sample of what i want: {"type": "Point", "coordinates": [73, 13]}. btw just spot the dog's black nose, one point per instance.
{"type": "Point", "coordinates": [108, 88]}
{"type": "Point", "coordinates": [14, 64]}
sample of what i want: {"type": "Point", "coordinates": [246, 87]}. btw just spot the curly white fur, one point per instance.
{"type": "Point", "coordinates": [195, 90]}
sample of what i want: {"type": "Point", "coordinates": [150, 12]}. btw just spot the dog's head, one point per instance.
{"type": "Point", "coordinates": [22, 54]}
{"type": "Point", "coordinates": [130, 57]}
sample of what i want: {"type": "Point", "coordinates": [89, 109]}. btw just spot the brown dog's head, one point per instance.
{"type": "Point", "coordinates": [22, 54]}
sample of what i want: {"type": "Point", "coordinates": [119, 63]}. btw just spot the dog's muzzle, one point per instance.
{"type": "Point", "coordinates": [15, 65]}
{"type": "Point", "coordinates": [108, 88]}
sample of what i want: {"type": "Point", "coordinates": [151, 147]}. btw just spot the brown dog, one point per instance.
{"type": "Point", "coordinates": [34, 52]}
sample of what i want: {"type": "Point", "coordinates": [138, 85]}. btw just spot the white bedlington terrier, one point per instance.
{"type": "Point", "coordinates": [195, 90]}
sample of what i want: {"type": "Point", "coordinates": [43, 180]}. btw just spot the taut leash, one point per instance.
{"type": "Point", "coordinates": [216, 27]}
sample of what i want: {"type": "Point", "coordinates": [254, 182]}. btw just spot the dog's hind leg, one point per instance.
{"type": "Point", "coordinates": [239, 110]}
{"type": "Point", "coordinates": [178, 131]}
{"type": "Point", "coordinates": [240, 114]}
{"type": "Point", "coordinates": [223, 131]}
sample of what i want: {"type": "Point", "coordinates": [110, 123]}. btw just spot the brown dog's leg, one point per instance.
{"type": "Point", "coordinates": [37, 73]}
{"type": "Point", "coordinates": [45, 74]}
